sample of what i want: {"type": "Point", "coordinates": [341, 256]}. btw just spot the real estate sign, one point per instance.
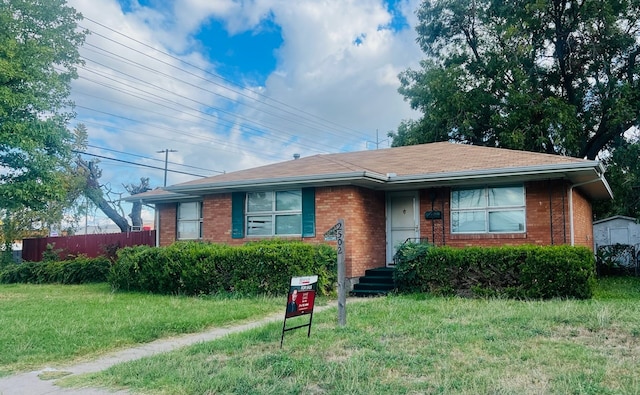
{"type": "Point", "coordinates": [302, 295]}
{"type": "Point", "coordinates": [301, 299]}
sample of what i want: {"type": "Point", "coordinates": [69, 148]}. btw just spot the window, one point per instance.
{"type": "Point", "coordinates": [488, 210]}
{"type": "Point", "coordinates": [274, 213]}
{"type": "Point", "coordinates": [190, 221]}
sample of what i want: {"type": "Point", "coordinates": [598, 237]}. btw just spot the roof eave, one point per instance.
{"type": "Point", "coordinates": [368, 179]}
{"type": "Point", "coordinates": [168, 197]}
{"type": "Point", "coordinates": [587, 173]}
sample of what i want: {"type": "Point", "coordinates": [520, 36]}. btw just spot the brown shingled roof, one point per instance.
{"type": "Point", "coordinates": [431, 158]}
{"type": "Point", "coordinates": [417, 166]}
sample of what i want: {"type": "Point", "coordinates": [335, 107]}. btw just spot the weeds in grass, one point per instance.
{"type": "Point", "coordinates": [414, 345]}
{"type": "Point", "coordinates": [54, 324]}
{"type": "Point", "coordinates": [410, 344]}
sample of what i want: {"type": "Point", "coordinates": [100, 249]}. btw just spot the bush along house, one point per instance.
{"type": "Point", "coordinates": [449, 194]}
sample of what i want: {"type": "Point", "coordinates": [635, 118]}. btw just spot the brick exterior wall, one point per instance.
{"type": "Point", "coordinates": [547, 219]}
{"type": "Point", "coordinates": [582, 221]}
{"type": "Point", "coordinates": [168, 216]}
{"type": "Point", "coordinates": [364, 213]}
{"type": "Point", "coordinates": [216, 219]}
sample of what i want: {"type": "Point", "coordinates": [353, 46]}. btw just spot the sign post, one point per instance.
{"type": "Point", "coordinates": [301, 299]}
{"type": "Point", "coordinates": [337, 233]}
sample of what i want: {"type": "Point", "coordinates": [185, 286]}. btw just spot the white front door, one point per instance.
{"type": "Point", "coordinates": [403, 220]}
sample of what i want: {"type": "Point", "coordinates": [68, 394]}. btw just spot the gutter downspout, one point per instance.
{"type": "Point", "coordinates": [571, 225]}
{"type": "Point", "coordinates": [156, 224]}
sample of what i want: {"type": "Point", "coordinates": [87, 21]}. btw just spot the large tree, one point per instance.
{"type": "Point", "coordinates": [87, 175]}
{"type": "Point", "coordinates": [623, 174]}
{"type": "Point", "coordinates": [555, 76]}
{"type": "Point", "coordinates": [39, 43]}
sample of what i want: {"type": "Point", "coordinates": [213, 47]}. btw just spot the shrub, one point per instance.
{"type": "Point", "coordinates": [617, 259]}
{"type": "Point", "coordinates": [51, 254]}
{"type": "Point", "coordinates": [195, 268]}
{"type": "Point", "coordinates": [518, 272]}
{"type": "Point", "coordinates": [79, 270]}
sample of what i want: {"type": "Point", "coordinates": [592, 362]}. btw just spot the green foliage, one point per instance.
{"type": "Point", "coordinates": [39, 43]}
{"type": "Point", "coordinates": [80, 270]}
{"type": "Point", "coordinates": [407, 260]}
{"type": "Point", "coordinates": [617, 259]}
{"type": "Point", "coordinates": [623, 175]}
{"type": "Point", "coordinates": [535, 75]}
{"type": "Point", "coordinates": [528, 272]}
{"type": "Point", "coordinates": [194, 268]}
{"type": "Point", "coordinates": [38, 57]}
{"type": "Point", "coordinates": [50, 253]}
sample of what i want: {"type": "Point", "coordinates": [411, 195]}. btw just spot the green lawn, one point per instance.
{"type": "Point", "coordinates": [60, 324]}
{"type": "Point", "coordinates": [415, 345]}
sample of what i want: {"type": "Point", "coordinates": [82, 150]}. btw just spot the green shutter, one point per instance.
{"type": "Point", "coordinates": [237, 215]}
{"type": "Point", "coordinates": [308, 212]}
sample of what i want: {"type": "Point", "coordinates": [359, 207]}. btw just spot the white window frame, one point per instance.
{"type": "Point", "coordinates": [271, 215]}
{"type": "Point", "coordinates": [197, 220]}
{"type": "Point", "coordinates": [486, 209]}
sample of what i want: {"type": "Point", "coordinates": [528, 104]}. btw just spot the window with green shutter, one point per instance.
{"type": "Point", "coordinates": [274, 213]}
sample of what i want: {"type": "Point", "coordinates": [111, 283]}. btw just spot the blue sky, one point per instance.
{"type": "Point", "coordinates": [233, 84]}
{"type": "Point", "coordinates": [249, 55]}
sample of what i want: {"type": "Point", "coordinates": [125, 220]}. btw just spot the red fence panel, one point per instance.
{"type": "Point", "coordinates": [89, 245]}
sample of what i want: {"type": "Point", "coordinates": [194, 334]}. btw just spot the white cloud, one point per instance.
{"type": "Point", "coordinates": [339, 62]}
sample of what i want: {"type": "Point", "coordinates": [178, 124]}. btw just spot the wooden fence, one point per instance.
{"type": "Point", "coordinates": [89, 245]}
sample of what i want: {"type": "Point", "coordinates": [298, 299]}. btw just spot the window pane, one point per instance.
{"type": "Point", "coordinates": [259, 201]}
{"type": "Point", "coordinates": [188, 230]}
{"type": "Point", "coordinates": [467, 198]}
{"type": "Point", "coordinates": [506, 196]}
{"type": "Point", "coordinates": [259, 226]}
{"type": "Point", "coordinates": [289, 224]}
{"type": "Point", "coordinates": [468, 221]}
{"type": "Point", "coordinates": [189, 210]}
{"type": "Point", "coordinates": [288, 200]}
{"type": "Point", "coordinates": [506, 221]}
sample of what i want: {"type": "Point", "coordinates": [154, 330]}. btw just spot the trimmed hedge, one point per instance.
{"type": "Point", "coordinates": [522, 272]}
{"type": "Point", "coordinates": [79, 270]}
{"type": "Point", "coordinates": [198, 268]}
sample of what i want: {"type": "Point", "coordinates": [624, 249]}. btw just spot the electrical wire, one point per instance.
{"type": "Point", "coordinates": [293, 110]}
{"type": "Point", "coordinates": [136, 164]}
{"type": "Point", "coordinates": [153, 159]}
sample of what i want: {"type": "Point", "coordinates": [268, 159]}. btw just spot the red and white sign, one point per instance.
{"type": "Point", "coordinates": [302, 295]}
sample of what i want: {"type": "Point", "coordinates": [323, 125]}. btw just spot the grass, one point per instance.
{"type": "Point", "coordinates": [416, 344]}
{"type": "Point", "coordinates": [61, 324]}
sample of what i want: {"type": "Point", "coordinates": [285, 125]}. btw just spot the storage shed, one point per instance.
{"type": "Point", "coordinates": [616, 230]}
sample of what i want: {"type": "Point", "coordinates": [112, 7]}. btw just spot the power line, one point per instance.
{"type": "Point", "coordinates": [218, 120]}
{"type": "Point", "coordinates": [136, 164]}
{"type": "Point", "coordinates": [233, 147]}
{"type": "Point", "coordinates": [154, 159]}
{"type": "Point", "coordinates": [161, 89]}
{"type": "Point", "coordinates": [183, 133]}
{"type": "Point", "coordinates": [297, 112]}
{"type": "Point", "coordinates": [297, 120]}
{"type": "Point", "coordinates": [152, 95]}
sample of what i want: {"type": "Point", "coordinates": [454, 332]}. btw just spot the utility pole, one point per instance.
{"type": "Point", "coordinates": [378, 141]}
{"type": "Point", "coordinates": [166, 160]}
